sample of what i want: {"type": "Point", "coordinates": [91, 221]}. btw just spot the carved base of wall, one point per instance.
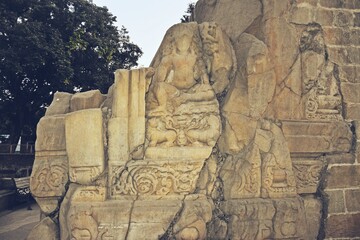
{"type": "Point", "coordinates": [132, 218]}
{"type": "Point", "coordinates": [264, 219]}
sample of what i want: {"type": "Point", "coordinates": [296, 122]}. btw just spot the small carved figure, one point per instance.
{"type": "Point", "coordinates": [208, 135]}
{"type": "Point", "coordinates": [158, 133]}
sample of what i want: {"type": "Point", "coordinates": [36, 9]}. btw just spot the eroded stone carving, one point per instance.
{"type": "Point", "coordinates": [307, 173]}
{"type": "Point", "coordinates": [182, 106]}
{"type": "Point", "coordinates": [207, 143]}
{"type": "Point", "coordinates": [153, 178]}
{"type": "Point", "coordinates": [319, 85]}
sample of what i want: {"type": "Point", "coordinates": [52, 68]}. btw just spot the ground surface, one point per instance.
{"type": "Point", "coordinates": [16, 224]}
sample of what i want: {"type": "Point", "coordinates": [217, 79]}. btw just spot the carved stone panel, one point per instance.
{"type": "Point", "coordinates": [155, 178]}
{"type": "Point", "coordinates": [307, 173]}
{"type": "Point", "coordinates": [249, 219]}
{"type": "Point", "coordinates": [317, 137]}
{"type": "Point", "coordinates": [85, 145]}
{"type": "Point", "coordinates": [49, 176]}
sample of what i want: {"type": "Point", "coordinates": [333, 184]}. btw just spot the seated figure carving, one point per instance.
{"type": "Point", "coordinates": [182, 106]}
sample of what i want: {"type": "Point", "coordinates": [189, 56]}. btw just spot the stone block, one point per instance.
{"type": "Point", "coordinates": [51, 134]}
{"type": "Point", "coordinates": [353, 55]}
{"type": "Point", "coordinates": [350, 73]}
{"type": "Point", "coordinates": [357, 19]}
{"type": "Point", "coordinates": [343, 19]}
{"type": "Point", "coordinates": [60, 104]}
{"type": "Point", "coordinates": [340, 158]}
{"type": "Point", "coordinates": [343, 176]}
{"type": "Point", "coordinates": [336, 201]}
{"type": "Point", "coordinates": [351, 92]}
{"type": "Point", "coordinates": [356, 124]}
{"type": "Point", "coordinates": [352, 200]}
{"type": "Point", "coordinates": [303, 15]}
{"type": "Point", "coordinates": [317, 137]}
{"type": "Point", "coordinates": [85, 145]}
{"type": "Point", "coordinates": [258, 213]}
{"type": "Point", "coordinates": [336, 36]}
{"type": "Point", "coordinates": [324, 17]}
{"type": "Point", "coordinates": [339, 55]}
{"type": "Point", "coordinates": [48, 205]}
{"type": "Point", "coordinates": [332, 3]}
{"type": "Point", "coordinates": [313, 209]}
{"type": "Point", "coordinates": [45, 229]}
{"type": "Point", "coordinates": [351, 4]}
{"type": "Point", "coordinates": [352, 111]}
{"type": "Point", "coordinates": [354, 37]}
{"type": "Point", "coordinates": [118, 150]}
{"type": "Point", "coordinates": [49, 176]}
{"type": "Point", "coordinates": [289, 220]}
{"type": "Point", "coordinates": [307, 174]}
{"type": "Point", "coordinates": [343, 226]}
{"type": "Point", "coordinates": [86, 100]}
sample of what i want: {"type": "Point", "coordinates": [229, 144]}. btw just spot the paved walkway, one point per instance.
{"type": "Point", "coordinates": [16, 224]}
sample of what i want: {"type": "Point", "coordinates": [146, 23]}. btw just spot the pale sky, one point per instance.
{"type": "Point", "coordinates": [146, 21]}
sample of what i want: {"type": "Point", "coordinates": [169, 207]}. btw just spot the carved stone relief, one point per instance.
{"type": "Point", "coordinates": [319, 85]}
{"type": "Point", "coordinates": [191, 147]}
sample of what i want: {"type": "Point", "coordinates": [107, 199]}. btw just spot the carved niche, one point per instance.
{"type": "Point", "coordinates": [322, 98]}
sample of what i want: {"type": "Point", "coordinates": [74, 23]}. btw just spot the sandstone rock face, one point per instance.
{"type": "Point", "coordinates": [244, 127]}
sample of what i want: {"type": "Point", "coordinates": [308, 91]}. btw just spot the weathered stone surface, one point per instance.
{"type": "Point", "coordinates": [159, 177]}
{"type": "Point", "coordinates": [343, 226]}
{"type": "Point", "coordinates": [218, 139]}
{"type": "Point", "coordinates": [126, 127]}
{"type": "Point", "coordinates": [336, 202]}
{"type": "Point", "coordinates": [231, 15]}
{"type": "Point", "coordinates": [263, 169]}
{"type": "Point", "coordinates": [49, 180]}
{"type": "Point", "coordinates": [51, 134]}
{"type": "Point", "coordinates": [45, 229]}
{"type": "Point", "coordinates": [343, 176]}
{"type": "Point", "coordinates": [263, 219]}
{"type": "Point", "coordinates": [313, 210]}
{"type": "Point", "coordinates": [352, 111]}
{"type": "Point", "coordinates": [86, 158]}
{"type": "Point", "coordinates": [307, 174]}
{"type": "Point", "coordinates": [352, 200]}
{"type": "Point", "coordinates": [351, 92]}
{"type": "Point", "coordinates": [341, 158]}
{"type": "Point", "coordinates": [60, 104]}
{"type": "Point", "coordinates": [86, 100]}
{"type": "Point", "coordinates": [317, 137]}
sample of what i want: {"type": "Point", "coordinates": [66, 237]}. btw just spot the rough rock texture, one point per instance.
{"type": "Point", "coordinates": [310, 48]}
{"type": "Point", "coordinates": [246, 126]}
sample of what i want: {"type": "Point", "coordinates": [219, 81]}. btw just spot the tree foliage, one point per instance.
{"type": "Point", "coordinates": [55, 45]}
{"type": "Point", "coordinates": [187, 16]}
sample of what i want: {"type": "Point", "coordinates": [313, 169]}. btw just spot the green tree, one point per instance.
{"type": "Point", "coordinates": [55, 45]}
{"type": "Point", "coordinates": [187, 16]}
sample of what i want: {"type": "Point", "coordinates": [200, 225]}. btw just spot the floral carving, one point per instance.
{"type": "Point", "coordinates": [155, 179]}
{"type": "Point", "coordinates": [49, 180]}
